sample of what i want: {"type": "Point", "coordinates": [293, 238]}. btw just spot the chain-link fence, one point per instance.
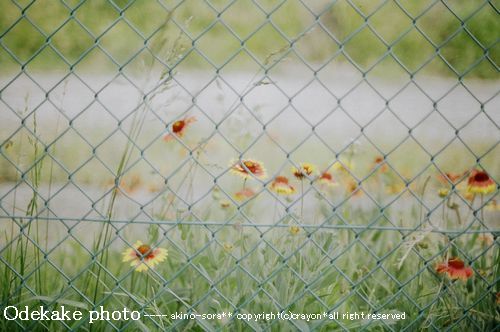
{"type": "Point", "coordinates": [250, 164]}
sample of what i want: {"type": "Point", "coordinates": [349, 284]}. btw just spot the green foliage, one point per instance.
{"type": "Point", "coordinates": [460, 34]}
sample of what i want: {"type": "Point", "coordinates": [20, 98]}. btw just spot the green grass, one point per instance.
{"type": "Point", "coordinates": [50, 31]}
{"type": "Point", "coordinates": [268, 270]}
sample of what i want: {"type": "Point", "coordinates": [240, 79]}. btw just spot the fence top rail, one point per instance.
{"type": "Point", "coordinates": [199, 223]}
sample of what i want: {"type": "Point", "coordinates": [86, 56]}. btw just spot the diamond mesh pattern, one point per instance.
{"type": "Point", "coordinates": [90, 160]}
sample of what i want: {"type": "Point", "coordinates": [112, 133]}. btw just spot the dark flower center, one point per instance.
{"type": "Point", "coordinates": [144, 251]}
{"type": "Point", "coordinates": [326, 176]}
{"type": "Point", "coordinates": [481, 177]}
{"type": "Point", "coordinates": [252, 167]}
{"type": "Point", "coordinates": [302, 172]}
{"type": "Point", "coordinates": [178, 126]}
{"type": "Point", "coordinates": [456, 263]}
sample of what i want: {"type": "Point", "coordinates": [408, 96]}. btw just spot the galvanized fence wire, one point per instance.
{"type": "Point", "coordinates": [137, 154]}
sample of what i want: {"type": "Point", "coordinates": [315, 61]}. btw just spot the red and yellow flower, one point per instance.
{"type": "Point", "coordinates": [326, 178]}
{"type": "Point", "coordinates": [131, 184]}
{"type": "Point", "coordinates": [480, 183]}
{"type": "Point", "coordinates": [379, 161]}
{"type": "Point", "coordinates": [142, 256]}
{"type": "Point", "coordinates": [179, 128]}
{"type": "Point", "coordinates": [128, 184]}
{"type": "Point", "coordinates": [281, 186]}
{"type": "Point", "coordinates": [354, 189]}
{"type": "Point", "coordinates": [247, 168]}
{"type": "Point", "coordinates": [455, 269]}
{"type": "Point", "coordinates": [244, 194]}
{"type": "Point", "coordinates": [448, 177]}
{"type": "Point", "coordinates": [304, 170]}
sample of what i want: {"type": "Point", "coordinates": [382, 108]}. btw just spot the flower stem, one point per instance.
{"type": "Point", "coordinates": [302, 201]}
